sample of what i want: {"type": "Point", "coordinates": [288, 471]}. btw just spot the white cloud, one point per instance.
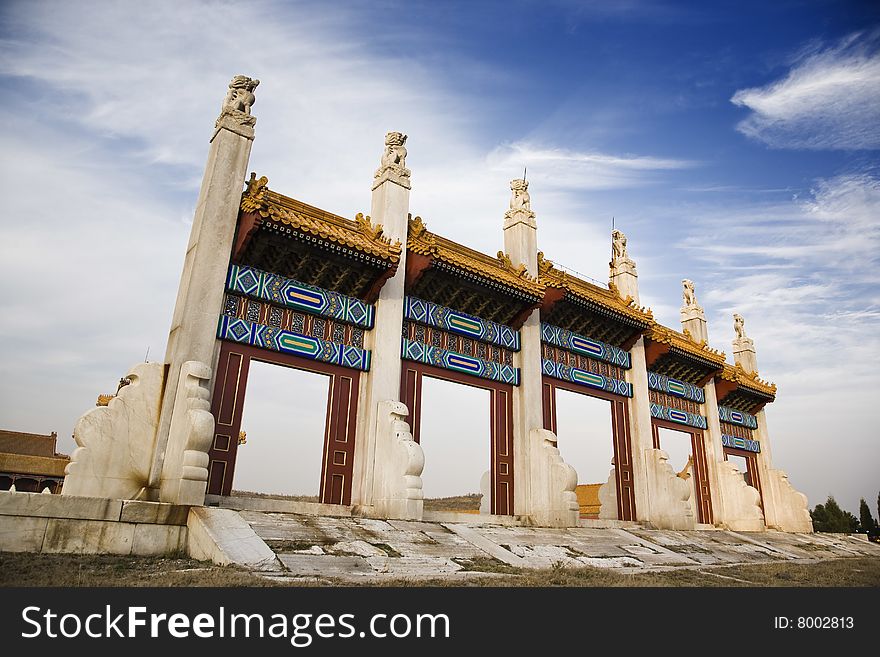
{"type": "Point", "coordinates": [829, 100]}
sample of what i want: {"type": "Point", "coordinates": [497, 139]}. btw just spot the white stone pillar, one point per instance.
{"type": "Point", "coordinates": [624, 278]}
{"type": "Point", "coordinates": [521, 245]}
{"type": "Point", "coordinates": [744, 353]}
{"type": "Point", "coordinates": [193, 335]}
{"type": "Point", "coordinates": [693, 319]}
{"type": "Point", "coordinates": [543, 483]}
{"type": "Point", "coordinates": [641, 437]}
{"type": "Point", "coordinates": [765, 466]}
{"type": "Point", "coordinates": [622, 275]}
{"type": "Point", "coordinates": [375, 478]}
{"type": "Point", "coordinates": [714, 452]}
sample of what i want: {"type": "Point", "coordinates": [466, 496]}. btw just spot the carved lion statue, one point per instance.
{"type": "Point", "coordinates": [618, 245]}
{"type": "Point", "coordinates": [519, 194]}
{"type": "Point", "coordinates": [240, 96]}
{"type": "Point", "coordinates": [739, 325]}
{"type": "Point", "coordinates": [395, 152]}
{"type": "Point", "coordinates": [690, 297]}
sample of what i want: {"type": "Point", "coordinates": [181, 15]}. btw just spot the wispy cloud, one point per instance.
{"type": "Point", "coordinates": [583, 171]}
{"type": "Point", "coordinates": [830, 99]}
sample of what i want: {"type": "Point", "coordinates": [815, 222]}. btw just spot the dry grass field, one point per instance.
{"type": "Point", "coordinates": [19, 569]}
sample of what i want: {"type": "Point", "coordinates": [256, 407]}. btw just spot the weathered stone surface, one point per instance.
{"type": "Point", "coordinates": [421, 567]}
{"type": "Point", "coordinates": [156, 540]}
{"type": "Point", "coordinates": [59, 506]}
{"type": "Point", "coordinates": [326, 565]}
{"type": "Point", "coordinates": [154, 512]}
{"type": "Point", "coordinates": [88, 537]}
{"type": "Point", "coordinates": [362, 548]}
{"type": "Point", "coordinates": [22, 534]}
{"type": "Point", "coordinates": [224, 537]}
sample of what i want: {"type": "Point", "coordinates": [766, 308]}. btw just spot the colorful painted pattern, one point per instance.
{"type": "Point", "coordinates": [288, 342]}
{"type": "Point", "coordinates": [740, 443]}
{"type": "Point", "coordinates": [675, 415]}
{"type": "Point", "coordinates": [450, 360]}
{"type": "Point", "coordinates": [741, 418]}
{"type": "Point", "coordinates": [676, 388]}
{"type": "Point", "coordinates": [585, 378]}
{"type": "Point", "coordinates": [585, 346]}
{"type": "Point", "coordinates": [293, 294]}
{"type": "Point", "coordinates": [453, 321]}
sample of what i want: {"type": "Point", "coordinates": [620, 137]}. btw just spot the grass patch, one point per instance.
{"type": "Point", "coordinates": [282, 545]}
{"type": "Point", "coordinates": [67, 570]}
{"type": "Point", "coordinates": [387, 549]}
{"type": "Point", "coordinates": [470, 502]}
{"type": "Point", "coordinates": [486, 565]}
{"type": "Point", "coordinates": [273, 496]}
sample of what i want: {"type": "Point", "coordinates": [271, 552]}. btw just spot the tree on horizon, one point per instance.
{"type": "Point", "coordinates": [829, 517]}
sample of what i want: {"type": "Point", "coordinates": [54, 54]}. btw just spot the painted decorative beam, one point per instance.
{"type": "Point", "coordinates": [740, 443]}
{"type": "Point", "coordinates": [585, 346]}
{"type": "Point", "coordinates": [585, 378]}
{"type": "Point", "coordinates": [741, 418]}
{"type": "Point", "coordinates": [681, 417]}
{"type": "Point", "coordinates": [432, 314]}
{"type": "Point", "coordinates": [676, 388]}
{"type": "Point", "coordinates": [450, 360]}
{"type": "Point", "coordinates": [293, 294]}
{"type": "Point", "coordinates": [288, 342]}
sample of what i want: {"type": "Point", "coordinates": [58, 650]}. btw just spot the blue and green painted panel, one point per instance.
{"type": "Point", "coordinates": [585, 346]}
{"type": "Point", "coordinates": [288, 342]}
{"type": "Point", "coordinates": [451, 360]}
{"type": "Point", "coordinates": [741, 418]}
{"type": "Point", "coordinates": [585, 378]}
{"type": "Point", "coordinates": [293, 294]}
{"type": "Point", "coordinates": [676, 388]}
{"type": "Point", "coordinates": [675, 415]}
{"type": "Point", "coordinates": [453, 321]}
{"type": "Point", "coordinates": [740, 443]}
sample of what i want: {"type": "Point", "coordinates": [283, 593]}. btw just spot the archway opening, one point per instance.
{"type": "Point", "coordinates": [454, 433]}
{"type": "Point", "coordinates": [586, 442]}
{"type": "Point", "coordinates": [284, 421]}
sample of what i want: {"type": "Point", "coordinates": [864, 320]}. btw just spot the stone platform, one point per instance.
{"type": "Point", "coordinates": [362, 549]}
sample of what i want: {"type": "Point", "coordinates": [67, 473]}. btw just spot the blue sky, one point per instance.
{"type": "Point", "coordinates": [735, 143]}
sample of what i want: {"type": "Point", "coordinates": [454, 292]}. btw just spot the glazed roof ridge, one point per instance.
{"type": "Point", "coordinates": [358, 234]}
{"type": "Point", "coordinates": [499, 269]}
{"type": "Point", "coordinates": [549, 276]}
{"type": "Point", "coordinates": [750, 381]}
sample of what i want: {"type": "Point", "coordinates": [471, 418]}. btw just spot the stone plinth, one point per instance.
{"type": "Point", "coordinates": [693, 320]}
{"type": "Point", "coordinates": [623, 276]}
{"type": "Point", "coordinates": [744, 354]}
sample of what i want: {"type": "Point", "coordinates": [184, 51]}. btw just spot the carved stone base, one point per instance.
{"type": "Point", "coordinates": [693, 320]}
{"type": "Point", "coordinates": [401, 482]}
{"type": "Point", "coordinates": [744, 354]}
{"type": "Point", "coordinates": [235, 121]}
{"type": "Point", "coordinates": [742, 503]}
{"type": "Point", "coordinates": [668, 493]}
{"type": "Point", "coordinates": [556, 505]}
{"type": "Point", "coordinates": [520, 216]}
{"type": "Point", "coordinates": [396, 174]}
{"type": "Point", "coordinates": [115, 442]}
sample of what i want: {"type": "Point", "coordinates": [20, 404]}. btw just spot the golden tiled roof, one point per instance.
{"type": "Point", "coordinates": [549, 276]}
{"type": "Point", "coordinates": [684, 342]}
{"type": "Point", "coordinates": [359, 235]}
{"type": "Point", "coordinates": [498, 269]}
{"type": "Point", "coordinates": [749, 381]}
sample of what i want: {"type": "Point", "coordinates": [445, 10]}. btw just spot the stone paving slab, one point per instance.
{"type": "Point", "coordinates": [365, 548]}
